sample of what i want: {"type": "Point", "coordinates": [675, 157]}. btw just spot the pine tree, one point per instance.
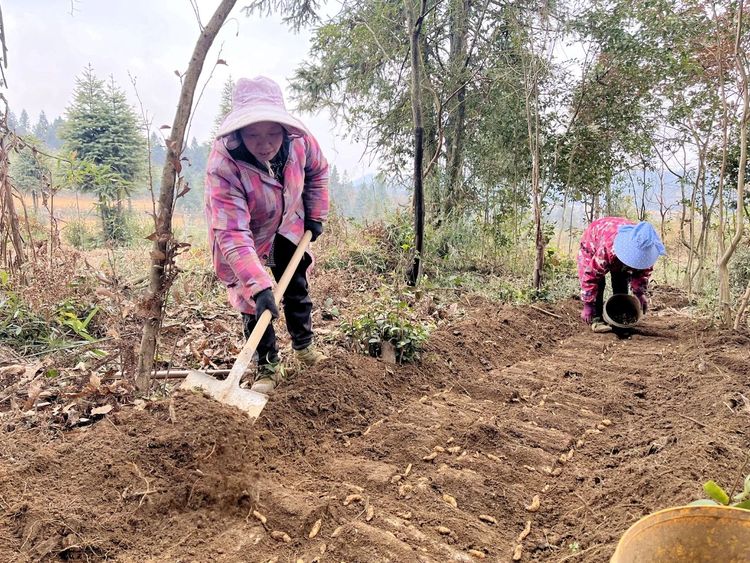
{"type": "Point", "coordinates": [225, 106]}
{"type": "Point", "coordinates": [12, 121]}
{"type": "Point", "coordinates": [85, 125]}
{"type": "Point", "coordinates": [24, 127]}
{"type": "Point", "coordinates": [41, 129]}
{"type": "Point", "coordinates": [53, 140]}
{"type": "Point", "coordinates": [102, 130]}
{"type": "Point", "coordinates": [28, 171]}
{"type": "Point", "coordinates": [197, 155]}
{"type": "Point", "coordinates": [123, 142]}
{"type": "Point", "coordinates": [194, 173]}
{"type": "Point", "coordinates": [158, 151]}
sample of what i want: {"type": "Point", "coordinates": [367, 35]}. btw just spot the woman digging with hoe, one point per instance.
{"type": "Point", "coordinates": [266, 183]}
{"type": "Point", "coordinates": [625, 250]}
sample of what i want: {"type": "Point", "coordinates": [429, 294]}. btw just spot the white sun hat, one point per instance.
{"type": "Point", "coordinates": [259, 99]}
{"type": "Point", "coordinates": [638, 246]}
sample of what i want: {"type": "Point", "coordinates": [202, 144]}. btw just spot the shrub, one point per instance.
{"type": "Point", "coordinates": [560, 277]}
{"type": "Point", "coordinates": [80, 236]}
{"type": "Point", "coordinates": [27, 331]}
{"type": "Point", "coordinates": [373, 328]}
{"type": "Point", "coordinates": [20, 328]}
{"type": "Point", "coordinates": [380, 247]}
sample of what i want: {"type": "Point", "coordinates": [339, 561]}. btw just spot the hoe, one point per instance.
{"type": "Point", "coordinates": [229, 391]}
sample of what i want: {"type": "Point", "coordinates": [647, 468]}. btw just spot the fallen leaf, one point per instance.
{"type": "Point", "coordinates": [12, 371]}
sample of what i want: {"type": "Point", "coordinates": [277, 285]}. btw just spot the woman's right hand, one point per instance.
{"type": "Point", "coordinates": [265, 301]}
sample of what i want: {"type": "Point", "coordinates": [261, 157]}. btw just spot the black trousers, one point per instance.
{"type": "Point", "coordinates": [620, 284]}
{"type": "Point", "coordinates": [297, 305]}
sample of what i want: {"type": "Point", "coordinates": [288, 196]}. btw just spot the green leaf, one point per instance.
{"type": "Point", "coordinates": [744, 505]}
{"type": "Point", "coordinates": [90, 316]}
{"type": "Point", "coordinates": [713, 490]}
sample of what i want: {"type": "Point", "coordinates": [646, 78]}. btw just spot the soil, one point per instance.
{"type": "Point", "coordinates": [519, 427]}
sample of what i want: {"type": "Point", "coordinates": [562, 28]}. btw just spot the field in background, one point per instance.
{"type": "Point", "coordinates": [467, 256]}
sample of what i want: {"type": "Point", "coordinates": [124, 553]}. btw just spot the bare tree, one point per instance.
{"type": "Point", "coordinates": [740, 61]}
{"type": "Point", "coordinates": [165, 246]}
{"type": "Point", "coordinates": [10, 230]}
{"type": "Point", "coordinates": [415, 28]}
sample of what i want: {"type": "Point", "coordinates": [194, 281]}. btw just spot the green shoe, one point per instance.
{"type": "Point", "coordinates": [269, 376]}
{"type": "Point", "coordinates": [310, 356]}
{"type": "Point", "coordinates": [599, 326]}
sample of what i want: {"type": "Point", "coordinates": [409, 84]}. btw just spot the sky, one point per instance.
{"type": "Point", "coordinates": [50, 42]}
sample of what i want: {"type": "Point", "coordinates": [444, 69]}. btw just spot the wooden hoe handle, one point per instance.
{"type": "Point", "coordinates": [246, 354]}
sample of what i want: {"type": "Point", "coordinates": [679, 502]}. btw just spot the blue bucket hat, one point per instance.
{"type": "Point", "coordinates": [638, 246]}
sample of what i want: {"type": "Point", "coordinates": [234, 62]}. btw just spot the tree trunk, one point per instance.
{"type": "Point", "coordinates": [565, 198]}
{"type": "Point", "coordinates": [104, 216]}
{"type": "Point", "coordinates": [531, 106]}
{"type": "Point", "coordinates": [740, 61]}
{"type": "Point", "coordinates": [415, 28]}
{"type": "Point", "coordinates": [725, 307]}
{"type": "Point", "coordinates": [8, 213]}
{"type": "Point", "coordinates": [663, 210]}
{"type": "Point", "coordinates": [536, 194]}
{"type": "Point", "coordinates": [455, 127]}
{"type": "Point", "coordinates": [742, 307]}
{"type": "Point", "coordinates": [697, 243]}
{"type": "Point", "coordinates": [562, 220]}
{"type": "Point", "coordinates": [570, 230]}
{"type": "Point", "coordinates": [642, 216]}
{"type": "Point", "coordinates": [163, 249]}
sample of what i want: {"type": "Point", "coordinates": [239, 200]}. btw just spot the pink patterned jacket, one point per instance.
{"type": "Point", "coordinates": [596, 257]}
{"type": "Point", "coordinates": [246, 207]}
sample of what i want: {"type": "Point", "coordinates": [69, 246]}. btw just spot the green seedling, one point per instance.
{"type": "Point", "coordinates": [67, 316]}
{"type": "Point", "coordinates": [718, 496]}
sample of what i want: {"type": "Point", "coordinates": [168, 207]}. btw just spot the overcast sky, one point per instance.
{"type": "Point", "coordinates": [48, 47]}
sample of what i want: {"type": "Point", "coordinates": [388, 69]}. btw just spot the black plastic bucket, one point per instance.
{"type": "Point", "coordinates": [622, 310]}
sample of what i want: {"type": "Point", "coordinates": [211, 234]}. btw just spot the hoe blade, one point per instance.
{"type": "Point", "coordinates": [223, 391]}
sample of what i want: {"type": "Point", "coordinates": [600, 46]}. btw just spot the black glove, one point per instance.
{"type": "Point", "coordinates": [265, 301]}
{"type": "Point", "coordinates": [315, 227]}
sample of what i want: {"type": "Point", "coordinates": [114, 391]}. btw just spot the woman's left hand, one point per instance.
{"type": "Point", "coordinates": [644, 302]}
{"type": "Point", "coordinates": [315, 227]}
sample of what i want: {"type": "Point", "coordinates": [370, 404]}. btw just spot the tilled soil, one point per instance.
{"type": "Point", "coordinates": [520, 432]}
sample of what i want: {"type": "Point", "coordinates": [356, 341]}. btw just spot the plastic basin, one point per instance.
{"type": "Point", "coordinates": [622, 310]}
{"type": "Point", "coordinates": [688, 534]}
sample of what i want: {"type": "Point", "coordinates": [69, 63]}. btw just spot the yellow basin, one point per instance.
{"type": "Point", "coordinates": [688, 534]}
